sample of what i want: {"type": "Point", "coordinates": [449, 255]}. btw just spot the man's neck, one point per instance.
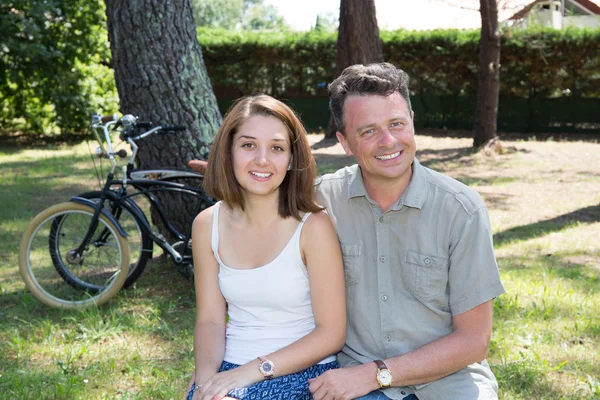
{"type": "Point", "coordinates": [385, 192]}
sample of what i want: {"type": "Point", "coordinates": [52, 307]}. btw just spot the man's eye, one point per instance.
{"type": "Point", "coordinates": [398, 124]}
{"type": "Point", "coordinates": [368, 131]}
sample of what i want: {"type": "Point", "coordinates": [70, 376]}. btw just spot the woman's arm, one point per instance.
{"type": "Point", "coordinates": [322, 256]}
{"type": "Point", "coordinates": [323, 259]}
{"type": "Point", "coordinates": [209, 332]}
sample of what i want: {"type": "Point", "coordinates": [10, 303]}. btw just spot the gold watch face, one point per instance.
{"type": "Point", "coordinates": [384, 377]}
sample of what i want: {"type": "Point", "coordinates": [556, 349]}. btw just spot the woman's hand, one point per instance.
{"type": "Point", "coordinates": [217, 387]}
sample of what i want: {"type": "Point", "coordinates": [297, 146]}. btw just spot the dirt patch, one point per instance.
{"type": "Point", "coordinates": [532, 182]}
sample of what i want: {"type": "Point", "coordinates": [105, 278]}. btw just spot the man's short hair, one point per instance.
{"type": "Point", "coordinates": [359, 80]}
{"type": "Point", "coordinates": [296, 192]}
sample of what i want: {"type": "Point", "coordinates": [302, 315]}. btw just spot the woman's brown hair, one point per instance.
{"type": "Point", "coordinates": [296, 192]}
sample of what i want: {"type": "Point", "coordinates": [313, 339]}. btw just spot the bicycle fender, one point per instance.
{"type": "Point", "coordinates": [90, 203]}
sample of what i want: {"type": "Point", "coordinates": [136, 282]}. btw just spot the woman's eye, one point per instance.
{"type": "Point", "coordinates": [248, 144]}
{"type": "Point", "coordinates": [277, 148]}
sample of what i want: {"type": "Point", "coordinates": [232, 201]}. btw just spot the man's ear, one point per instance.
{"type": "Point", "coordinates": [342, 139]}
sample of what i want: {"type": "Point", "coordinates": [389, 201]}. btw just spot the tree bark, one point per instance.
{"type": "Point", "coordinates": [358, 40]}
{"type": "Point", "coordinates": [486, 113]}
{"type": "Point", "coordinates": [161, 77]}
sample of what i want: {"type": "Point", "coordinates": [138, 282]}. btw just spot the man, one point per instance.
{"type": "Point", "coordinates": [418, 256]}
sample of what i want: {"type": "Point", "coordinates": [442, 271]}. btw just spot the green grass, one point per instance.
{"type": "Point", "coordinates": [545, 210]}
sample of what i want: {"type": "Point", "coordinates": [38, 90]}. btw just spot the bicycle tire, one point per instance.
{"type": "Point", "coordinates": [41, 277]}
{"type": "Point", "coordinates": [140, 243]}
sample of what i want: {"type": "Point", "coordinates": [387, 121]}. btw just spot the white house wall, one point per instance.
{"type": "Point", "coordinates": [582, 21]}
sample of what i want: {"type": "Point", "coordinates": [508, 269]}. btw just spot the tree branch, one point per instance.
{"type": "Point", "coordinates": [459, 6]}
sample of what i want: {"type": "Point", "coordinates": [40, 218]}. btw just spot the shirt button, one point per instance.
{"type": "Point", "coordinates": [380, 219]}
{"type": "Point", "coordinates": [403, 393]}
{"type": "Point", "coordinates": [384, 297]}
{"type": "Point", "coordinates": [388, 337]}
{"type": "Point", "coordinates": [427, 261]}
{"type": "Point", "coordinates": [382, 258]}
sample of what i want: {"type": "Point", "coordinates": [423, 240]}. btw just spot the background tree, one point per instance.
{"type": "Point", "coordinates": [237, 14]}
{"type": "Point", "coordinates": [53, 65]}
{"type": "Point", "coordinates": [488, 76]}
{"type": "Point", "coordinates": [358, 40]}
{"type": "Point", "coordinates": [161, 78]}
{"type": "Point", "coordinates": [326, 22]}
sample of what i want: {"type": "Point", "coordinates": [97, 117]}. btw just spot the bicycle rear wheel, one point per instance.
{"type": "Point", "coordinates": [93, 278]}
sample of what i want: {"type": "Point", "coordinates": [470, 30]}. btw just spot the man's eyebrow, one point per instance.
{"type": "Point", "coordinates": [365, 126]}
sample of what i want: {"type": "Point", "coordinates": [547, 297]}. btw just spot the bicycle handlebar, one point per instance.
{"type": "Point", "coordinates": [108, 118]}
{"type": "Point", "coordinates": [128, 126]}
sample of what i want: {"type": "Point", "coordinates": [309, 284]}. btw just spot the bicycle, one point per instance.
{"type": "Point", "coordinates": [78, 253]}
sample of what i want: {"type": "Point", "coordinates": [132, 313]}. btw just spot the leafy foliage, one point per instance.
{"type": "Point", "coordinates": [535, 63]}
{"type": "Point", "coordinates": [237, 14]}
{"type": "Point", "coordinates": [53, 64]}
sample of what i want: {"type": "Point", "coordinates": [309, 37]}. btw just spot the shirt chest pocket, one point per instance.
{"type": "Point", "coordinates": [426, 276]}
{"type": "Point", "coordinates": [352, 255]}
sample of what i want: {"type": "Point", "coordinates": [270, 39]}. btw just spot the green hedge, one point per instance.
{"type": "Point", "coordinates": [54, 71]}
{"type": "Point", "coordinates": [550, 79]}
{"type": "Point", "coordinates": [535, 63]}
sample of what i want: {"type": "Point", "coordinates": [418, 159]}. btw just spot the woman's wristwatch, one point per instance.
{"type": "Point", "coordinates": [266, 367]}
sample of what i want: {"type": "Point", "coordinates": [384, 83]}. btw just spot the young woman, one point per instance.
{"type": "Point", "coordinates": [268, 256]}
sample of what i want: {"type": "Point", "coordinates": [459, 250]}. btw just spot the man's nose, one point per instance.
{"type": "Point", "coordinates": [387, 138]}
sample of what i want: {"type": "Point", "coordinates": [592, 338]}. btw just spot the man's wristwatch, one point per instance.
{"type": "Point", "coordinates": [266, 367]}
{"type": "Point", "coordinates": [384, 376]}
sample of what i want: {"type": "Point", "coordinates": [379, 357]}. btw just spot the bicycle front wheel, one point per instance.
{"type": "Point", "coordinates": [94, 276]}
{"type": "Point", "coordinates": [140, 244]}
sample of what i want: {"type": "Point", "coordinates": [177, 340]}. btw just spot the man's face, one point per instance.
{"type": "Point", "coordinates": [380, 135]}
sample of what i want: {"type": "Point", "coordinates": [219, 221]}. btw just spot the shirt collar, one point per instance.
{"type": "Point", "coordinates": [414, 195]}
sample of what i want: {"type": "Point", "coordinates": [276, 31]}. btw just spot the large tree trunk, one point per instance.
{"type": "Point", "coordinates": [358, 40]}
{"type": "Point", "coordinates": [486, 113]}
{"type": "Point", "coordinates": [161, 78]}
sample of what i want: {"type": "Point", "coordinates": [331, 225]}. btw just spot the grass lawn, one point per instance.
{"type": "Point", "coordinates": [544, 202]}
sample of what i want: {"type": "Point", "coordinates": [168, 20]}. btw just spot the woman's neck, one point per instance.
{"type": "Point", "coordinates": [260, 210]}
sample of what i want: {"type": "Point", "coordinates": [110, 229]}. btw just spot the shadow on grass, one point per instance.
{"type": "Point", "coordinates": [328, 163]}
{"type": "Point", "coordinates": [437, 159]}
{"type": "Point", "coordinates": [589, 214]}
{"type": "Point", "coordinates": [14, 144]}
{"type": "Point", "coordinates": [324, 143]}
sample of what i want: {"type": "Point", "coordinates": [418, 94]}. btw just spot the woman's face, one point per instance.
{"type": "Point", "coordinates": [261, 152]}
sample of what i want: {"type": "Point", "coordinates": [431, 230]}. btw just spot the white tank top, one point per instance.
{"type": "Point", "coordinates": [269, 307]}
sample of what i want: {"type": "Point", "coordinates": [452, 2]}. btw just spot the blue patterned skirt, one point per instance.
{"type": "Point", "coordinates": [288, 387]}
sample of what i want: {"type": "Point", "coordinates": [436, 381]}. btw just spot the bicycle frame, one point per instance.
{"type": "Point", "coordinates": [146, 182]}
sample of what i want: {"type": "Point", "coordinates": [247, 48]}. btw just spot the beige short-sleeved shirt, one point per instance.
{"type": "Point", "coordinates": [410, 269]}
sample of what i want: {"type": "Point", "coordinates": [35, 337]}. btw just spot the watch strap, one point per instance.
{"type": "Point", "coordinates": [380, 364]}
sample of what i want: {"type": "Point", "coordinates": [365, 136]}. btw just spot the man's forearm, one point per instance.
{"type": "Point", "coordinates": [468, 343]}
{"type": "Point", "coordinates": [437, 359]}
